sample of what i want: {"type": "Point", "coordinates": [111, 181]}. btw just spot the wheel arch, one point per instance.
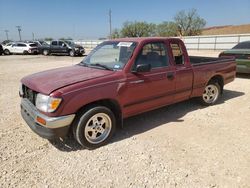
{"type": "Point", "coordinates": [218, 78]}
{"type": "Point", "coordinates": [112, 104]}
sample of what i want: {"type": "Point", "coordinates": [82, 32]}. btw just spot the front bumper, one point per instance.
{"type": "Point", "coordinates": [55, 126]}
{"type": "Point", "coordinates": [79, 51]}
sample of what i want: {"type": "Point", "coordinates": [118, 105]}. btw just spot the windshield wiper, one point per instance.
{"type": "Point", "coordinates": [83, 64]}
{"type": "Point", "coordinates": [102, 66]}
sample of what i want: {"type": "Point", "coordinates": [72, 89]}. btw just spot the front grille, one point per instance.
{"type": "Point", "coordinates": [29, 94]}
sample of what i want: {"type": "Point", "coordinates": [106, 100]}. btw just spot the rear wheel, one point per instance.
{"type": "Point", "coordinates": [211, 93]}
{"type": "Point", "coordinates": [45, 52]}
{"type": "Point", "coordinates": [25, 52]}
{"type": "Point", "coordinates": [94, 127]}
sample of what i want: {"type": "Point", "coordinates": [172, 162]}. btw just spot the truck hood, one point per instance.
{"type": "Point", "coordinates": [47, 81]}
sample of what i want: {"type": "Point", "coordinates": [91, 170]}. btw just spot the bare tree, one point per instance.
{"type": "Point", "coordinates": [189, 23]}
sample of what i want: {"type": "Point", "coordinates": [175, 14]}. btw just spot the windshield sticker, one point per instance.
{"type": "Point", "coordinates": [116, 66]}
{"type": "Point", "coordinates": [125, 44]}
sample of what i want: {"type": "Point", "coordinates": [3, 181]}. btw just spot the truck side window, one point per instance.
{"type": "Point", "coordinates": [54, 43]}
{"type": "Point", "coordinates": [61, 43]}
{"type": "Point", "coordinates": [177, 53]}
{"type": "Point", "coordinates": [154, 54]}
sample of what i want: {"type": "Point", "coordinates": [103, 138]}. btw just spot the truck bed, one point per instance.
{"type": "Point", "coordinates": [199, 60]}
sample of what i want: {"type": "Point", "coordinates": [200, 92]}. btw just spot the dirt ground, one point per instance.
{"type": "Point", "coordinates": [182, 145]}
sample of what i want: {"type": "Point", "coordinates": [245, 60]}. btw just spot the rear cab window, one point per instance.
{"type": "Point", "coordinates": [178, 54]}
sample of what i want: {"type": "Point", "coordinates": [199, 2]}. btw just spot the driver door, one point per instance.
{"type": "Point", "coordinates": [62, 47]}
{"type": "Point", "coordinates": [149, 90]}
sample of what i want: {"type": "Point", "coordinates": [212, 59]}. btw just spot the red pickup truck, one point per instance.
{"type": "Point", "coordinates": [118, 79]}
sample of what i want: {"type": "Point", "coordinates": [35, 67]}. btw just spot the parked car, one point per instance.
{"type": "Point", "coordinates": [241, 53]}
{"type": "Point", "coordinates": [1, 49]}
{"type": "Point", "coordinates": [62, 47]}
{"type": "Point", "coordinates": [40, 43]}
{"type": "Point", "coordinates": [20, 48]}
{"type": "Point", "coordinates": [118, 79]}
{"type": "Point", "coordinates": [6, 42]}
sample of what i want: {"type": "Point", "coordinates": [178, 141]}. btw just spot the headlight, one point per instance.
{"type": "Point", "coordinates": [21, 90]}
{"type": "Point", "coordinates": [46, 103]}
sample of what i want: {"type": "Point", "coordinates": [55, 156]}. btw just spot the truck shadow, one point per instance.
{"type": "Point", "coordinates": [172, 113]}
{"type": "Point", "coordinates": [149, 120]}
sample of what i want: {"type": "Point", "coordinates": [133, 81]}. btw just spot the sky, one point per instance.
{"type": "Point", "coordinates": [88, 19]}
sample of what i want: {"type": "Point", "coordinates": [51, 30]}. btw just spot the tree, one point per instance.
{"type": "Point", "coordinates": [48, 38]}
{"type": "Point", "coordinates": [167, 29]}
{"type": "Point", "coordinates": [137, 29]}
{"type": "Point", "coordinates": [67, 38]}
{"type": "Point", "coordinates": [115, 34]}
{"type": "Point", "coordinates": [189, 23]}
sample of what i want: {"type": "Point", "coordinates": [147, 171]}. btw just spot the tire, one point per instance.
{"type": "Point", "coordinates": [72, 53]}
{"type": "Point", "coordinates": [25, 52]}
{"type": "Point", "coordinates": [45, 52]}
{"type": "Point", "coordinates": [6, 52]}
{"type": "Point", "coordinates": [211, 94]}
{"type": "Point", "coordinates": [94, 127]}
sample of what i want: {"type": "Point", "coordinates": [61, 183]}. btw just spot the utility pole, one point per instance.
{"type": "Point", "coordinates": [7, 36]}
{"type": "Point", "coordinates": [19, 31]}
{"type": "Point", "coordinates": [110, 24]}
{"type": "Point", "coordinates": [33, 36]}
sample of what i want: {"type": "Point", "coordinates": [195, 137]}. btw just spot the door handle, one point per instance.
{"type": "Point", "coordinates": [170, 75]}
{"type": "Point", "coordinates": [136, 82]}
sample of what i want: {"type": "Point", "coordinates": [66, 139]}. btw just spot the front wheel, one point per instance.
{"type": "Point", "coordinates": [211, 93]}
{"type": "Point", "coordinates": [45, 52]}
{"type": "Point", "coordinates": [72, 53]}
{"type": "Point", "coordinates": [6, 52]}
{"type": "Point", "coordinates": [94, 127]}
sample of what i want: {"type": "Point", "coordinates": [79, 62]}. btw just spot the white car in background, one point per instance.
{"type": "Point", "coordinates": [20, 48]}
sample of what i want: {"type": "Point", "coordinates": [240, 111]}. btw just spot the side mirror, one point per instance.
{"type": "Point", "coordinates": [143, 68]}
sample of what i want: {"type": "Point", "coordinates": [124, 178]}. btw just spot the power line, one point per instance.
{"type": "Point", "coordinates": [110, 24]}
{"type": "Point", "coordinates": [19, 31]}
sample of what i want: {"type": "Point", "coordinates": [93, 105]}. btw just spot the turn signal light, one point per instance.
{"type": "Point", "coordinates": [41, 120]}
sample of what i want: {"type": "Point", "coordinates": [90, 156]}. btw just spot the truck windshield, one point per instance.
{"type": "Point", "coordinates": [110, 54]}
{"type": "Point", "coordinates": [71, 43]}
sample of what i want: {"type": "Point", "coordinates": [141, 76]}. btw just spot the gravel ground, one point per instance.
{"type": "Point", "coordinates": [182, 145]}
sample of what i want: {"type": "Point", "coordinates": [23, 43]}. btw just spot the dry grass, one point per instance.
{"type": "Point", "coordinates": [230, 29]}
